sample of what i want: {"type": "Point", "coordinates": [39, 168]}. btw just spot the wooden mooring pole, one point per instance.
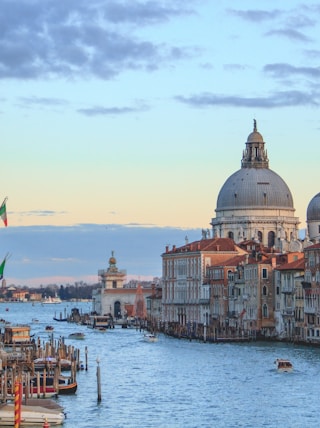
{"type": "Point", "coordinates": [98, 380]}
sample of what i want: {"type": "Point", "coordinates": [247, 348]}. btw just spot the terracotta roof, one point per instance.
{"type": "Point", "coordinates": [312, 247]}
{"type": "Point", "coordinates": [214, 244]}
{"type": "Point", "coordinates": [230, 261]}
{"type": "Point", "coordinates": [295, 265]}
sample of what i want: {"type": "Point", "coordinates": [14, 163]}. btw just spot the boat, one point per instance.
{"type": "Point", "coordinates": [283, 365]}
{"type": "Point", "coordinates": [50, 363]}
{"type": "Point", "coordinates": [78, 335]}
{"type": "Point", "coordinates": [51, 300]}
{"type": "Point", "coordinates": [30, 416]}
{"type": "Point", "coordinates": [49, 328]}
{"type": "Point", "coordinates": [63, 385]}
{"type": "Point", "coordinates": [150, 337]}
{"type": "Point", "coordinates": [67, 385]}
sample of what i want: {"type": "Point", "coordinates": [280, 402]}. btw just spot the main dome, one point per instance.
{"type": "Point", "coordinates": [254, 188]}
{"type": "Point", "coordinates": [255, 202]}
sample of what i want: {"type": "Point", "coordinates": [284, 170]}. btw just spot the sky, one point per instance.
{"type": "Point", "coordinates": [130, 115]}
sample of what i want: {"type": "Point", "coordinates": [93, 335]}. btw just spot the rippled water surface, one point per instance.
{"type": "Point", "coordinates": [177, 383]}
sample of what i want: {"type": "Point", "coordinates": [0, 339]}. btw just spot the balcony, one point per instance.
{"type": "Point", "coordinates": [288, 289]}
{"type": "Point", "coordinates": [309, 310]}
{"type": "Point", "coordinates": [232, 314]}
{"type": "Point", "coordinates": [204, 301]}
{"type": "Point", "coordinates": [288, 312]}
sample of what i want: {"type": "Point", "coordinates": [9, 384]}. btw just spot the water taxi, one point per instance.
{"type": "Point", "coordinates": [149, 337]}
{"type": "Point", "coordinates": [283, 365]}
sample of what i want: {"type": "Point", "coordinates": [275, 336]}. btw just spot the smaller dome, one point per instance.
{"type": "Point", "coordinates": [255, 137]}
{"type": "Point", "coordinates": [313, 210]}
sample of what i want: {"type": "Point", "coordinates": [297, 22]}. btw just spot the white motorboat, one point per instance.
{"type": "Point", "coordinates": [30, 416]}
{"type": "Point", "coordinates": [149, 337]}
{"type": "Point", "coordinates": [283, 365]}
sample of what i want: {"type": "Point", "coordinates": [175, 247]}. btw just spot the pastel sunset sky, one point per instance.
{"type": "Point", "coordinates": [130, 115]}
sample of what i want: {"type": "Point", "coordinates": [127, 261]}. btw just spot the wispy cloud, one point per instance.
{"type": "Point", "coordinates": [286, 70]}
{"type": "Point", "coordinates": [40, 213]}
{"type": "Point", "coordinates": [256, 15]}
{"type": "Point", "coordinates": [277, 99]}
{"type": "Point", "coordinates": [107, 111]}
{"type": "Point", "coordinates": [289, 33]}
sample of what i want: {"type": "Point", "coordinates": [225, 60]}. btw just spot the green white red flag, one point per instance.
{"type": "Point", "coordinates": [3, 212]}
{"type": "Point", "coordinates": [3, 264]}
{"type": "Point", "coordinates": [2, 267]}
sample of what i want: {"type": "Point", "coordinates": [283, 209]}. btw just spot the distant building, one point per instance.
{"type": "Point", "coordinates": [114, 298]}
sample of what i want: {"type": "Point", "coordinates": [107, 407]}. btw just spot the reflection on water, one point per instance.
{"type": "Point", "coordinates": [176, 383]}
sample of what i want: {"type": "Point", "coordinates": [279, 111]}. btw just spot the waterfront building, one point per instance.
{"type": "Point", "coordinates": [154, 306]}
{"type": "Point", "coordinates": [311, 285]}
{"type": "Point", "coordinates": [224, 295]}
{"type": "Point", "coordinates": [255, 202]}
{"type": "Point", "coordinates": [185, 292]}
{"type": "Point", "coordinates": [289, 307]}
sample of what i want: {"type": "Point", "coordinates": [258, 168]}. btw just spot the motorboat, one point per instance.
{"type": "Point", "coordinates": [283, 365]}
{"type": "Point", "coordinates": [30, 416]}
{"type": "Point", "coordinates": [150, 337]}
{"type": "Point", "coordinates": [78, 335]}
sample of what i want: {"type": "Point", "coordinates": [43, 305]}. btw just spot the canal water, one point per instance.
{"type": "Point", "coordinates": [177, 383]}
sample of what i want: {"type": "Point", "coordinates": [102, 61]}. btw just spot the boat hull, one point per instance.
{"type": "Point", "coordinates": [30, 416]}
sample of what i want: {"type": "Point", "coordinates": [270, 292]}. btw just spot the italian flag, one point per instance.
{"type": "Point", "coordinates": [3, 212]}
{"type": "Point", "coordinates": [2, 267]}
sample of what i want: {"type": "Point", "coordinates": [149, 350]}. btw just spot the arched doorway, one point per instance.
{"type": "Point", "coordinates": [117, 309]}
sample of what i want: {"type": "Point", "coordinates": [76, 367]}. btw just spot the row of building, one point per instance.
{"type": "Point", "coordinates": [251, 275]}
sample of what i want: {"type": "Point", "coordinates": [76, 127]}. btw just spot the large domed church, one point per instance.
{"type": "Point", "coordinates": [256, 203]}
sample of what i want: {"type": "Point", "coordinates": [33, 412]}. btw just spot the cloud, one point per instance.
{"type": "Point", "coordinates": [80, 38]}
{"type": "Point", "coordinates": [274, 100]}
{"type": "Point", "coordinates": [289, 33]}
{"type": "Point", "coordinates": [40, 213]}
{"type": "Point", "coordinates": [107, 111]}
{"type": "Point", "coordinates": [38, 101]}
{"type": "Point", "coordinates": [286, 70]}
{"type": "Point", "coordinates": [41, 253]}
{"type": "Point", "coordinates": [256, 15]}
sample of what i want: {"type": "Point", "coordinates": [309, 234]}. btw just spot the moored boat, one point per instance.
{"type": "Point", "coordinates": [51, 362]}
{"type": "Point", "coordinates": [283, 365]}
{"type": "Point", "coordinates": [30, 416]}
{"type": "Point", "coordinates": [67, 385]}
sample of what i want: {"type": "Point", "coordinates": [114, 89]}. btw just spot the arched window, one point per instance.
{"type": "Point", "coordinates": [271, 239]}
{"type": "Point", "coordinates": [265, 311]}
{"type": "Point", "coordinates": [264, 290]}
{"type": "Point", "coordinates": [230, 235]}
{"type": "Point", "coordinates": [260, 235]}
